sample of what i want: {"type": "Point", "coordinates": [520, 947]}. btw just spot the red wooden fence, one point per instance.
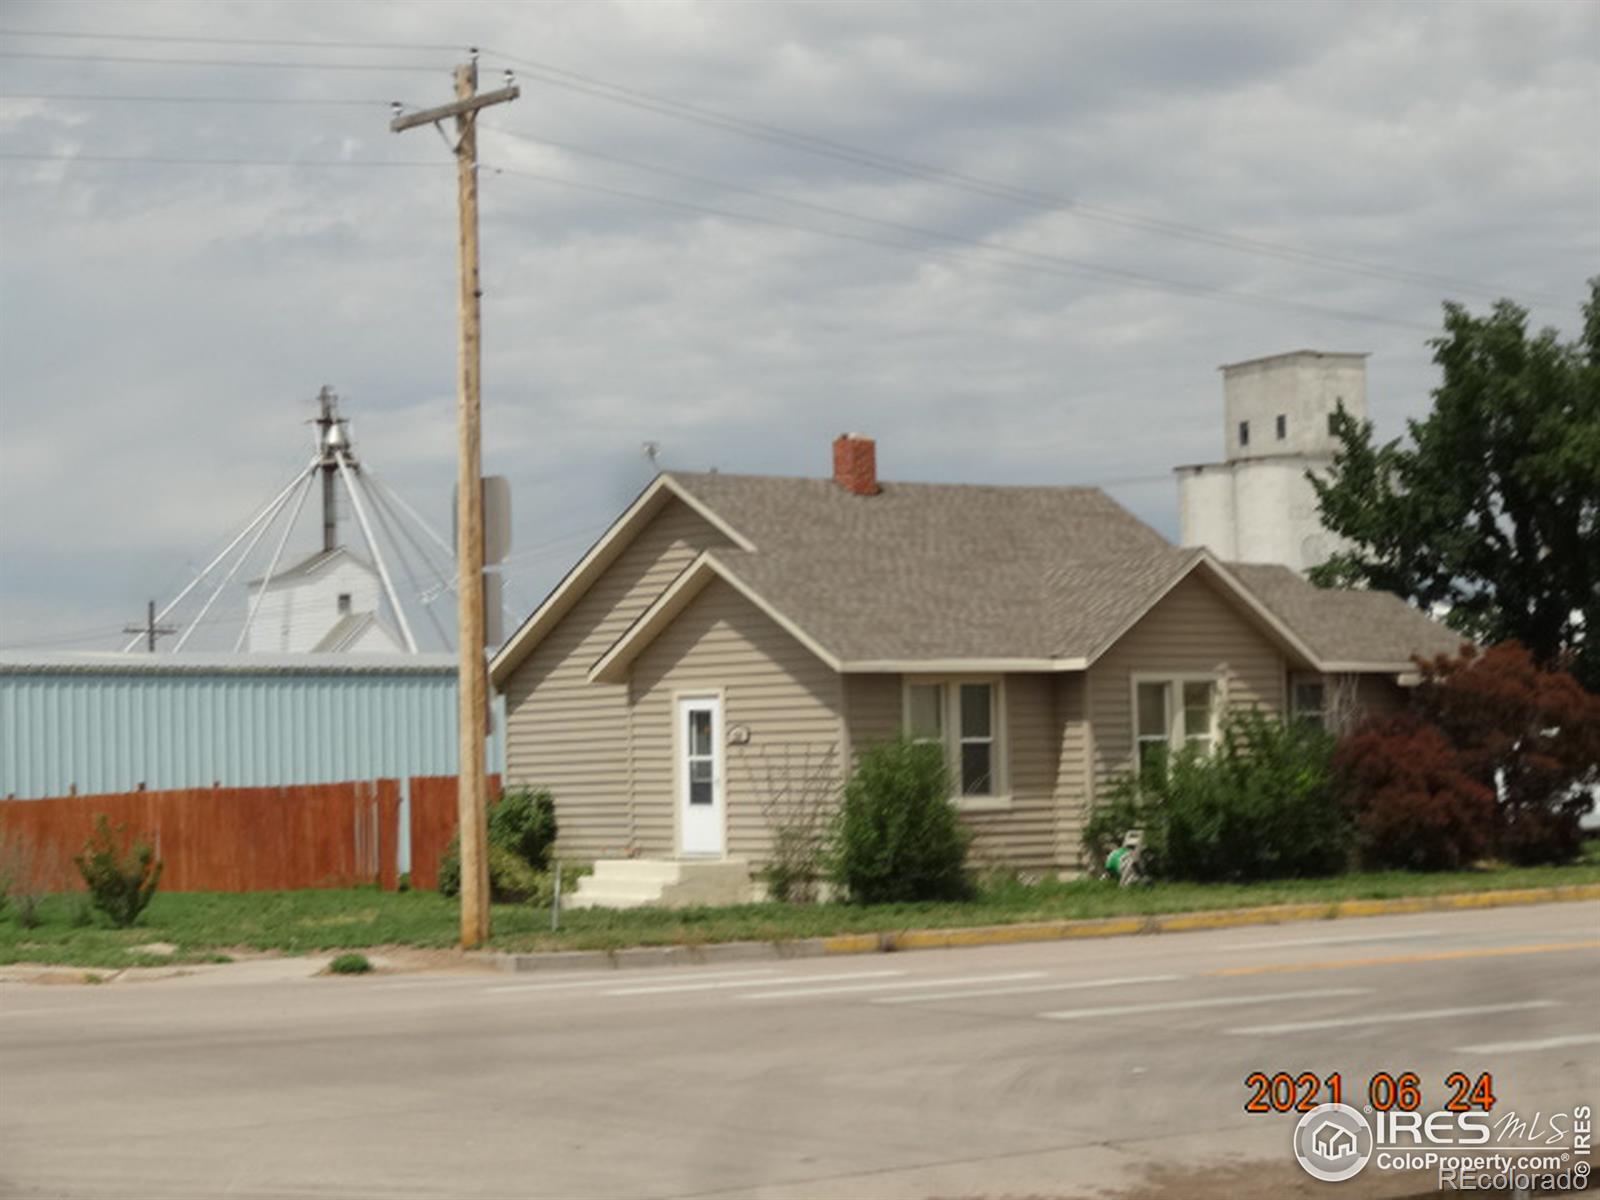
{"type": "Point", "coordinates": [433, 824]}
{"type": "Point", "coordinates": [247, 839]}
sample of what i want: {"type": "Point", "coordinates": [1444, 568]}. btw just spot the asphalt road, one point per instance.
{"type": "Point", "coordinates": [1062, 1069]}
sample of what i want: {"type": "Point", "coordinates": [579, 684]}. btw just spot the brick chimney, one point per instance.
{"type": "Point", "coordinates": [855, 464]}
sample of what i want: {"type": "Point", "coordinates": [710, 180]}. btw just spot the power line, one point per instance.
{"type": "Point", "coordinates": [164, 160]}
{"type": "Point", "coordinates": [794, 139]}
{"type": "Point", "coordinates": [276, 64]}
{"type": "Point", "coordinates": [1047, 264]}
{"type": "Point", "coordinates": [297, 43]}
{"type": "Point", "coordinates": [1130, 278]}
{"type": "Point", "coordinates": [77, 97]}
{"type": "Point", "coordinates": [931, 173]}
{"type": "Point", "coordinates": [1077, 265]}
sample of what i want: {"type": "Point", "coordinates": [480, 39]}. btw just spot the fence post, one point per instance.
{"type": "Point", "coordinates": [387, 820]}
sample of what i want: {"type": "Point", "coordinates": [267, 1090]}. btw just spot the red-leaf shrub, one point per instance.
{"type": "Point", "coordinates": [1529, 734]}
{"type": "Point", "coordinates": [1413, 804]}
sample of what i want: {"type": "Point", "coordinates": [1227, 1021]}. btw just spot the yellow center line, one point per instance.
{"type": "Point", "coordinates": [1398, 959]}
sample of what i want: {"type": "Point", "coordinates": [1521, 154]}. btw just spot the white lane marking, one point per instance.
{"type": "Point", "coordinates": [1550, 1043]}
{"type": "Point", "coordinates": [583, 983]}
{"type": "Point", "coordinates": [1434, 1014]}
{"type": "Point", "coordinates": [879, 987]}
{"type": "Point", "coordinates": [706, 987]}
{"type": "Point", "coordinates": [1121, 1010]}
{"type": "Point", "coordinates": [453, 981]}
{"type": "Point", "coordinates": [1331, 941]}
{"type": "Point", "coordinates": [1031, 988]}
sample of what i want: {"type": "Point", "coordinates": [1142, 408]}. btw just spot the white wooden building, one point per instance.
{"type": "Point", "coordinates": [327, 603]}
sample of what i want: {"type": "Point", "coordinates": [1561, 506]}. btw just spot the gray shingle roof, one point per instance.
{"type": "Point", "coordinates": [958, 571]}
{"type": "Point", "coordinates": [1346, 625]}
{"type": "Point", "coordinates": [929, 571]}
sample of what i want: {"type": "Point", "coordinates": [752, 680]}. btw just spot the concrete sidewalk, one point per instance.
{"type": "Point", "coordinates": [399, 959]}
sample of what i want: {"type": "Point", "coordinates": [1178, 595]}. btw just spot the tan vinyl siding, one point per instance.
{"type": "Point", "coordinates": [1072, 770]}
{"type": "Point", "coordinates": [788, 699]}
{"type": "Point", "coordinates": [570, 735]}
{"type": "Point", "coordinates": [1192, 629]}
{"type": "Point", "coordinates": [1024, 834]}
{"type": "Point", "coordinates": [872, 710]}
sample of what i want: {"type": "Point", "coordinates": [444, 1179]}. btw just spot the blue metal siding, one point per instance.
{"type": "Point", "coordinates": [111, 731]}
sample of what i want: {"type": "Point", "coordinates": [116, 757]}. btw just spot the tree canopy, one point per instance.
{"type": "Point", "coordinates": [1492, 511]}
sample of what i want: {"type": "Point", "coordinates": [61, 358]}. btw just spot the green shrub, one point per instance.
{"type": "Point", "coordinates": [524, 822]}
{"type": "Point", "coordinates": [898, 837]}
{"type": "Point", "coordinates": [511, 880]}
{"type": "Point", "coordinates": [1261, 806]}
{"type": "Point", "coordinates": [522, 829]}
{"type": "Point", "coordinates": [121, 881]}
{"type": "Point", "coordinates": [350, 964]}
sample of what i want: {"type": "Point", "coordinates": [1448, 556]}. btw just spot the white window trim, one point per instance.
{"type": "Point", "coordinates": [1176, 739]}
{"type": "Point", "coordinates": [950, 716]}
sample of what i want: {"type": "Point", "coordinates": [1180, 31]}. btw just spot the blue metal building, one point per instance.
{"type": "Point", "coordinates": [113, 722]}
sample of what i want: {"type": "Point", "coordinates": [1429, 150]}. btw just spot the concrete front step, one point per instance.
{"type": "Point", "coordinates": [632, 870]}
{"type": "Point", "coordinates": [665, 883]}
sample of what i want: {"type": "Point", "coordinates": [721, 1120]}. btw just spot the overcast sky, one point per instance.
{"type": "Point", "coordinates": [1179, 186]}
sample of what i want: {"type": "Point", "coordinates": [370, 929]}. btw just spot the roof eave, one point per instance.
{"type": "Point", "coordinates": [957, 666]}
{"type": "Point", "coordinates": [612, 666]}
{"type": "Point", "coordinates": [1235, 588]}
{"type": "Point", "coordinates": [617, 537]}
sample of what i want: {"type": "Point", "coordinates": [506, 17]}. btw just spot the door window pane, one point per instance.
{"type": "Point", "coordinates": [926, 704]}
{"type": "Point", "coordinates": [975, 710]}
{"type": "Point", "coordinates": [699, 731]}
{"type": "Point", "coordinates": [700, 781]}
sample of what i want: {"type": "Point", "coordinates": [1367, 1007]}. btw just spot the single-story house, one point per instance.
{"type": "Point", "coordinates": [733, 636]}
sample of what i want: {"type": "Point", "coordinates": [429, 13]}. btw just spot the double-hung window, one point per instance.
{"type": "Point", "coordinates": [962, 717]}
{"type": "Point", "coordinates": [1171, 715]}
{"type": "Point", "coordinates": [1308, 701]}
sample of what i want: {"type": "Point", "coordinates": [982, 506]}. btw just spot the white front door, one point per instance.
{"type": "Point", "coordinates": [700, 798]}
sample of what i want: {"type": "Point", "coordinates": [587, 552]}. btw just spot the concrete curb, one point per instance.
{"type": "Point", "coordinates": [1037, 931]}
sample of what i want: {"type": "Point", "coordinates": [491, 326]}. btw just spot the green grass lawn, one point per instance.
{"type": "Point", "coordinates": [205, 926]}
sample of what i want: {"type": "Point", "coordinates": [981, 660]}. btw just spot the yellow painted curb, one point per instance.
{"type": "Point", "coordinates": [1228, 918]}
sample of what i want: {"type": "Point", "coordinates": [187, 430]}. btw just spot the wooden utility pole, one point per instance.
{"type": "Point", "coordinates": [469, 501]}
{"type": "Point", "coordinates": [150, 629]}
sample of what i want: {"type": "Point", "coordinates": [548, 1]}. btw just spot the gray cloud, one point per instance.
{"type": "Point", "coordinates": [164, 328]}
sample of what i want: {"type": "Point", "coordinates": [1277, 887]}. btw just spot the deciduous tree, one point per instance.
{"type": "Point", "coordinates": [1492, 510]}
